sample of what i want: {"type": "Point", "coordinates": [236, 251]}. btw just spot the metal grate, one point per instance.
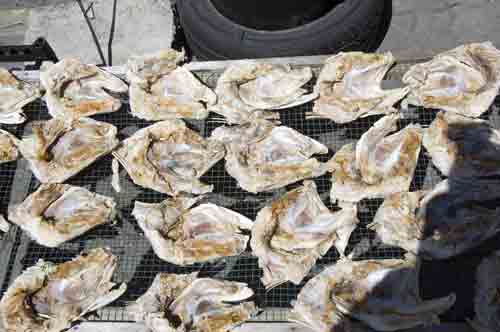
{"type": "Point", "coordinates": [138, 263]}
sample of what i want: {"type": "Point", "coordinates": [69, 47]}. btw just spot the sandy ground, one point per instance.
{"type": "Point", "coordinates": [441, 25]}
{"type": "Point", "coordinates": [141, 26]}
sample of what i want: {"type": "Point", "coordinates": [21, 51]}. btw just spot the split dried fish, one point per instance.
{"type": "Point", "coordinates": [461, 146]}
{"type": "Point", "coordinates": [14, 94]}
{"type": "Point", "coordinates": [4, 224]}
{"type": "Point", "coordinates": [383, 294]}
{"type": "Point", "coordinates": [182, 235]}
{"type": "Point", "coordinates": [378, 165]}
{"type": "Point", "coordinates": [486, 299]}
{"type": "Point", "coordinates": [57, 213]}
{"type": "Point", "coordinates": [248, 88]}
{"type": "Point", "coordinates": [58, 149]}
{"type": "Point", "coordinates": [455, 216]}
{"type": "Point", "coordinates": [183, 302]}
{"type": "Point", "coordinates": [49, 297]}
{"type": "Point", "coordinates": [349, 87]}
{"type": "Point", "coordinates": [160, 90]}
{"type": "Point", "coordinates": [75, 90]}
{"type": "Point", "coordinates": [294, 231]}
{"type": "Point", "coordinates": [464, 80]}
{"type": "Point", "coordinates": [8, 147]}
{"type": "Point", "coordinates": [264, 157]}
{"type": "Point", "coordinates": [143, 69]}
{"type": "Point", "coordinates": [169, 157]}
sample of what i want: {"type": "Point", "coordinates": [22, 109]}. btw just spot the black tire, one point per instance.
{"type": "Point", "coordinates": [354, 25]}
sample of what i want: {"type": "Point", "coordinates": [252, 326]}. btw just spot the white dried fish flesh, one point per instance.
{"type": "Point", "coordinates": [49, 297]}
{"type": "Point", "coordinates": [14, 94]}
{"type": "Point", "coordinates": [291, 233]}
{"type": "Point", "coordinates": [264, 157]}
{"type": "Point", "coordinates": [173, 92]}
{"type": "Point", "coordinates": [349, 87]}
{"type": "Point", "coordinates": [464, 80]}
{"type": "Point", "coordinates": [56, 213]}
{"type": "Point", "coordinates": [169, 157]}
{"type": "Point", "coordinates": [383, 294]}
{"type": "Point", "coordinates": [185, 303]}
{"type": "Point", "coordinates": [58, 149]}
{"type": "Point", "coordinates": [75, 90]}
{"type": "Point", "coordinates": [378, 165]}
{"type": "Point", "coordinates": [247, 88]}
{"type": "Point", "coordinates": [182, 234]}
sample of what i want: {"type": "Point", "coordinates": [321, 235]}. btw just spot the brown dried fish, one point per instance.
{"type": "Point", "coordinates": [294, 231]}
{"type": "Point", "coordinates": [75, 90]}
{"type": "Point", "coordinates": [8, 147]}
{"type": "Point", "coordinates": [186, 303]}
{"type": "Point", "coordinates": [378, 165]}
{"type": "Point", "coordinates": [455, 216]}
{"type": "Point", "coordinates": [486, 299]}
{"type": "Point", "coordinates": [383, 294]}
{"type": "Point", "coordinates": [160, 90]}
{"type": "Point", "coordinates": [183, 235]}
{"type": "Point", "coordinates": [461, 146]}
{"type": "Point", "coordinates": [264, 157]}
{"type": "Point", "coordinates": [14, 94]}
{"type": "Point", "coordinates": [247, 88]}
{"type": "Point", "coordinates": [58, 149]}
{"type": "Point", "coordinates": [49, 297]}
{"type": "Point", "coordinates": [56, 213]}
{"type": "Point", "coordinates": [169, 157]}
{"type": "Point", "coordinates": [464, 80]}
{"type": "Point", "coordinates": [349, 87]}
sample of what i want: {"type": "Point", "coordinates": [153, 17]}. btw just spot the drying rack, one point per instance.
{"type": "Point", "coordinates": [138, 265]}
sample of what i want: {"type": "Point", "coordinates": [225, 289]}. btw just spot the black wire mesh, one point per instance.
{"type": "Point", "coordinates": [138, 263]}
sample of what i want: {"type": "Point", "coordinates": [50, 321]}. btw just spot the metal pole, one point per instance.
{"type": "Point", "coordinates": [111, 35]}
{"type": "Point", "coordinates": [94, 36]}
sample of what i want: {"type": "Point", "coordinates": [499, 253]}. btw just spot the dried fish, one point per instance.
{"type": "Point", "coordinates": [247, 88]}
{"type": "Point", "coordinates": [183, 235]}
{"type": "Point", "coordinates": [455, 216]}
{"type": "Point", "coordinates": [75, 90]}
{"type": "Point", "coordinates": [169, 157]}
{"type": "Point", "coordinates": [160, 90]}
{"type": "Point", "coordinates": [58, 149]}
{"type": "Point", "coordinates": [264, 157]}
{"type": "Point", "coordinates": [56, 213]}
{"type": "Point", "coordinates": [186, 303]}
{"type": "Point", "coordinates": [383, 294]}
{"type": "Point", "coordinates": [461, 146]}
{"type": "Point", "coordinates": [49, 297]}
{"type": "Point", "coordinates": [378, 165]}
{"type": "Point", "coordinates": [349, 87]}
{"type": "Point", "coordinates": [464, 80]}
{"type": "Point", "coordinates": [4, 224]}
{"type": "Point", "coordinates": [14, 94]}
{"type": "Point", "coordinates": [8, 147]}
{"type": "Point", "coordinates": [291, 233]}
{"type": "Point", "coordinates": [143, 69]}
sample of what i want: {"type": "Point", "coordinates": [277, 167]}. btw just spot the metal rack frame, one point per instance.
{"type": "Point", "coordinates": [138, 263]}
